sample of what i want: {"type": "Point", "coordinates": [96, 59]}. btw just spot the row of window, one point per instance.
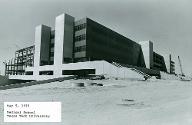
{"type": "Point", "coordinates": [51, 54]}
{"type": "Point", "coordinates": [82, 59]}
{"type": "Point", "coordinates": [80, 72]}
{"type": "Point", "coordinates": [80, 48]}
{"type": "Point", "coordinates": [80, 37]}
{"type": "Point", "coordinates": [46, 73]}
{"type": "Point", "coordinates": [80, 27]}
{"type": "Point", "coordinates": [52, 34]}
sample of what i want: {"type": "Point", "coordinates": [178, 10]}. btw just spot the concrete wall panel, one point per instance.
{"type": "Point", "coordinates": [147, 48]}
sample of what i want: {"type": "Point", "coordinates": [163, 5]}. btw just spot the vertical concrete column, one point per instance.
{"type": "Point", "coordinates": [147, 48]}
{"type": "Point", "coordinates": [167, 62]}
{"type": "Point", "coordinates": [64, 25]}
{"type": "Point", "coordinates": [37, 49]}
{"type": "Point", "coordinates": [42, 46]}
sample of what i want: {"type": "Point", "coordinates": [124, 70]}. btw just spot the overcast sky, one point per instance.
{"type": "Point", "coordinates": [168, 23]}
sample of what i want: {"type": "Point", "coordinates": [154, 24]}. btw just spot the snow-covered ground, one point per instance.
{"type": "Point", "coordinates": [118, 102]}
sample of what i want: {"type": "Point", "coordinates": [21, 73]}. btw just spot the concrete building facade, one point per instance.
{"type": "Point", "coordinates": [85, 40]}
{"type": "Point", "coordinates": [170, 64]}
{"type": "Point", "coordinates": [154, 60]}
{"type": "Point", "coordinates": [94, 41]}
{"type": "Point", "coordinates": [147, 48]}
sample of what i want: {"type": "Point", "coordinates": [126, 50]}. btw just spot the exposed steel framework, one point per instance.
{"type": "Point", "coordinates": [23, 58]}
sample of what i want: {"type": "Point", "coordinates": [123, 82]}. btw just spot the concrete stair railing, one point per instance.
{"type": "Point", "coordinates": [145, 75]}
{"type": "Point", "coordinates": [117, 64]}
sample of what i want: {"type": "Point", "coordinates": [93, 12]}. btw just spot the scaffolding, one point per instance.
{"type": "Point", "coordinates": [23, 58]}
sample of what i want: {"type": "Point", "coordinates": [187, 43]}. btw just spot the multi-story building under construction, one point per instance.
{"type": "Point", "coordinates": [79, 47]}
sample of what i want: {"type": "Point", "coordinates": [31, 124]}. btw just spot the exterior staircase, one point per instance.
{"type": "Point", "coordinates": [145, 75]}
